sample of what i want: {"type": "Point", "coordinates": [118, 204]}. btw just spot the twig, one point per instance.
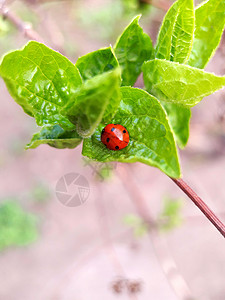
{"type": "Point", "coordinates": [168, 265]}
{"type": "Point", "coordinates": [24, 28]}
{"type": "Point", "coordinates": [201, 205]}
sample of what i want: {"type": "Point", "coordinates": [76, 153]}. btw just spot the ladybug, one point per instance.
{"type": "Point", "coordinates": [115, 137]}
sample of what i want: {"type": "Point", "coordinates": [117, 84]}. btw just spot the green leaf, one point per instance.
{"type": "Point", "coordinates": [179, 118]}
{"type": "Point", "coordinates": [96, 63]}
{"type": "Point", "coordinates": [55, 136]}
{"type": "Point", "coordinates": [210, 22]}
{"type": "Point", "coordinates": [174, 43]}
{"type": "Point", "coordinates": [176, 34]}
{"type": "Point", "coordinates": [181, 84]}
{"type": "Point", "coordinates": [41, 81]}
{"type": "Point", "coordinates": [151, 138]}
{"type": "Point", "coordinates": [133, 48]}
{"type": "Point", "coordinates": [88, 104]}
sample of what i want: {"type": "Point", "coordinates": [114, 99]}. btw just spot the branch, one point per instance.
{"type": "Point", "coordinates": [201, 205]}
{"type": "Point", "coordinates": [162, 252]}
{"type": "Point", "coordinates": [24, 28]}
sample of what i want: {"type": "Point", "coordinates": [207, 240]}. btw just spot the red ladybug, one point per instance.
{"type": "Point", "coordinates": [115, 137]}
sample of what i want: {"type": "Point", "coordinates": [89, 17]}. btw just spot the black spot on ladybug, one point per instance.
{"type": "Point", "coordinates": [113, 129]}
{"type": "Point", "coordinates": [117, 147]}
{"type": "Point", "coordinates": [103, 130]}
{"type": "Point", "coordinates": [124, 131]}
{"type": "Point", "coordinates": [107, 140]}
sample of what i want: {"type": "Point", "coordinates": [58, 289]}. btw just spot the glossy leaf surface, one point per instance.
{"type": "Point", "coordinates": [176, 34]}
{"type": "Point", "coordinates": [175, 83]}
{"type": "Point", "coordinates": [210, 22]}
{"type": "Point", "coordinates": [151, 138]}
{"type": "Point", "coordinates": [55, 136]}
{"type": "Point", "coordinates": [88, 105]}
{"type": "Point", "coordinates": [41, 81]}
{"type": "Point", "coordinates": [97, 63]}
{"type": "Point", "coordinates": [133, 48]}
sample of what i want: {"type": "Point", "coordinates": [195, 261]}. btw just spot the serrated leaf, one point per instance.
{"type": "Point", "coordinates": [55, 136]}
{"type": "Point", "coordinates": [151, 138]}
{"type": "Point", "coordinates": [88, 104]}
{"type": "Point", "coordinates": [96, 63]}
{"type": "Point", "coordinates": [132, 48]}
{"type": "Point", "coordinates": [176, 34]}
{"type": "Point", "coordinates": [179, 118]}
{"type": "Point", "coordinates": [41, 81]}
{"type": "Point", "coordinates": [174, 43]}
{"type": "Point", "coordinates": [180, 84]}
{"type": "Point", "coordinates": [210, 22]}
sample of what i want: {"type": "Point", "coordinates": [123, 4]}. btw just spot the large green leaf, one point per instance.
{"type": "Point", "coordinates": [88, 104]}
{"type": "Point", "coordinates": [96, 63]}
{"type": "Point", "coordinates": [176, 34]}
{"type": "Point", "coordinates": [179, 118]}
{"type": "Point", "coordinates": [174, 43]}
{"type": "Point", "coordinates": [133, 48]}
{"type": "Point", "coordinates": [181, 84]}
{"type": "Point", "coordinates": [55, 136]}
{"type": "Point", "coordinates": [41, 81]}
{"type": "Point", "coordinates": [210, 22]}
{"type": "Point", "coordinates": [151, 138]}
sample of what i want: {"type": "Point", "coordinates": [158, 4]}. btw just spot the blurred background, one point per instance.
{"type": "Point", "coordinates": [100, 248]}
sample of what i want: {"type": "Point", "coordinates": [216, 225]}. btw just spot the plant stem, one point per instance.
{"type": "Point", "coordinates": [23, 27]}
{"type": "Point", "coordinates": [201, 205]}
{"type": "Point", "coordinates": [162, 252]}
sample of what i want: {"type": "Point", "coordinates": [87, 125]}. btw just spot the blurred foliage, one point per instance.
{"type": "Point", "coordinates": [108, 19]}
{"type": "Point", "coordinates": [16, 146]}
{"type": "Point", "coordinates": [8, 32]}
{"type": "Point", "coordinates": [25, 12]}
{"type": "Point", "coordinates": [135, 7]}
{"type": "Point", "coordinates": [40, 192]}
{"type": "Point", "coordinates": [170, 216]}
{"type": "Point", "coordinates": [103, 19]}
{"type": "Point", "coordinates": [17, 227]}
{"type": "Point", "coordinates": [4, 27]}
{"type": "Point", "coordinates": [105, 171]}
{"type": "Point", "coordinates": [100, 170]}
{"type": "Point", "coordinates": [137, 224]}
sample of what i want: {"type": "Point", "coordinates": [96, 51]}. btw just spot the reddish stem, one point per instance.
{"type": "Point", "coordinates": [201, 205]}
{"type": "Point", "coordinates": [23, 27]}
